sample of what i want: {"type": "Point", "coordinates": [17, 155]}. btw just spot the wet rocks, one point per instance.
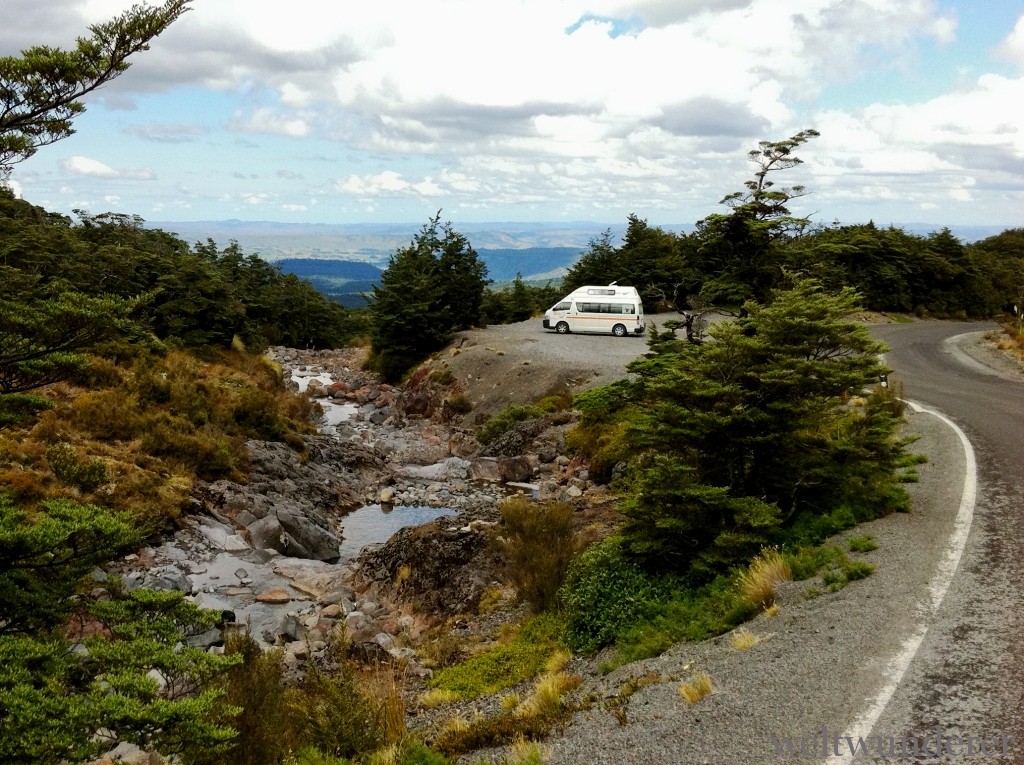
{"type": "Point", "coordinates": [442, 568]}
{"type": "Point", "coordinates": [291, 501]}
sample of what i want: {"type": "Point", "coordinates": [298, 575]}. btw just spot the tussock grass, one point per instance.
{"type": "Point", "coordinates": [743, 639]}
{"type": "Point", "coordinates": [510, 701]}
{"type": "Point", "coordinates": [698, 687]}
{"type": "Point", "coordinates": [435, 697]}
{"type": "Point", "coordinates": [546, 700]}
{"type": "Point", "coordinates": [537, 541]}
{"type": "Point", "coordinates": [862, 544]}
{"type": "Point", "coordinates": [558, 661]}
{"type": "Point", "coordinates": [532, 719]}
{"type": "Point", "coordinates": [759, 583]}
{"type": "Point", "coordinates": [525, 752]}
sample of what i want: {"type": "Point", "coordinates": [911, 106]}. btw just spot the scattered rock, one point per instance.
{"type": "Point", "coordinates": [278, 596]}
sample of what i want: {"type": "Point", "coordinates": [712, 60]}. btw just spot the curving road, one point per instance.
{"type": "Point", "coordinates": [967, 677]}
{"type": "Point", "coordinates": [931, 644]}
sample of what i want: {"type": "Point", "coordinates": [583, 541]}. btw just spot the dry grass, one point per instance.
{"type": "Point", "coordinates": [389, 755]}
{"type": "Point", "coordinates": [743, 639]}
{"type": "Point", "coordinates": [537, 541]}
{"type": "Point", "coordinates": [558, 661]}
{"type": "Point", "coordinates": [525, 752]}
{"type": "Point", "coordinates": [510, 701]}
{"type": "Point", "coordinates": [697, 688]}
{"type": "Point", "coordinates": [437, 696]}
{"type": "Point", "coordinates": [383, 694]}
{"type": "Point", "coordinates": [759, 583]}
{"type": "Point", "coordinates": [546, 700]}
{"type": "Point", "coordinates": [532, 719]}
{"type": "Point", "coordinates": [772, 611]}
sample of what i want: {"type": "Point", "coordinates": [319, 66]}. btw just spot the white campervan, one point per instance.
{"type": "Point", "coordinates": [613, 309]}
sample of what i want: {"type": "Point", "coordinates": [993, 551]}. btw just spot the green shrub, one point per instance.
{"type": "Point", "coordinates": [310, 756]}
{"type": "Point", "coordinates": [805, 562]}
{"type": "Point", "coordinates": [502, 667]}
{"type": "Point", "coordinates": [16, 408]}
{"type": "Point", "coordinates": [508, 418]}
{"type": "Point", "coordinates": [256, 686]}
{"type": "Point", "coordinates": [862, 544]}
{"type": "Point", "coordinates": [857, 569]}
{"type": "Point", "coordinates": [537, 542]}
{"type": "Point", "coordinates": [836, 569]}
{"type": "Point", "coordinates": [605, 594]}
{"type": "Point", "coordinates": [505, 420]}
{"type": "Point", "coordinates": [690, 615]}
{"type": "Point", "coordinates": [69, 468]}
{"type": "Point", "coordinates": [329, 713]}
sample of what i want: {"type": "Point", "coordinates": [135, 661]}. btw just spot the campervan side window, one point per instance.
{"type": "Point", "coordinates": [604, 308]}
{"type": "Point", "coordinates": [563, 306]}
{"type": "Point", "coordinates": [600, 292]}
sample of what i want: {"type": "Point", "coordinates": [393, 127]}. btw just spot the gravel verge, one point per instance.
{"type": "Point", "coordinates": [819, 660]}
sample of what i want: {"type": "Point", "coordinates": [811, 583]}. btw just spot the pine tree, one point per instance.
{"type": "Point", "coordinates": [744, 433]}
{"type": "Point", "coordinates": [429, 290]}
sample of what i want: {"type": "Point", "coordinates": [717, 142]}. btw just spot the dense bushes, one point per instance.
{"type": "Point", "coordinates": [197, 296]}
{"type": "Point", "coordinates": [605, 594]}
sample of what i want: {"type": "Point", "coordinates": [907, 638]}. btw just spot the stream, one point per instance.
{"type": "Point", "coordinates": [370, 524]}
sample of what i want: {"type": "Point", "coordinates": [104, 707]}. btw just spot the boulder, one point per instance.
{"type": "Point", "coordinates": [302, 538]}
{"type": "Point", "coordinates": [453, 468]}
{"type": "Point", "coordinates": [450, 568]}
{"type": "Point", "coordinates": [502, 469]}
{"type": "Point", "coordinates": [265, 533]}
{"type": "Point", "coordinates": [276, 596]}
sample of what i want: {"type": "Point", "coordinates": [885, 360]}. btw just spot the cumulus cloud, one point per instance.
{"type": "Point", "coordinates": [1012, 48]}
{"type": "Point", "coordinates": [93, 168]}
{"type": "Point", "coordinates": [586, 105]}
{"type": "Point", "coordinates": [86, 166]}
{"type": "Point", "coordinates": [271, 121]}
{"type": "Point", "coordinates": [387, 183]}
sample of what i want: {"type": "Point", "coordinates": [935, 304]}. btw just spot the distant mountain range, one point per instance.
{"type": "Point", "coordinates": [375, 242]}
{"type": "Point", "coordinates": [345, 260]}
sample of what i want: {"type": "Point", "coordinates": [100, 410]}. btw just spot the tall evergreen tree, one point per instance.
{"type": "Point", "coordinates": [744, 433]}
{"type": "Point", "coordinates": [740, 251]}
{"type": "Point", "coordinates": [429, 290]}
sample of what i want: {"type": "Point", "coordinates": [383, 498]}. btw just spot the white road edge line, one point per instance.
{"type": "Point", "coordinates": [937, 587]}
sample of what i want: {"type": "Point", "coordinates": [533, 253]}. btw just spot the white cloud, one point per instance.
{"type": "Point", "coordinates": [577, 105]}
{"type": "Point", "coordinates": [1012, 48]}
{"type": "Point", "coordinates": [92, 167]}
{"type": "Point", "coordinates": [272, 121]}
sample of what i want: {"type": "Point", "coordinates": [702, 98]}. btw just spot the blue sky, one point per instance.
{"type": "Point", "coordinates": [532, 110]}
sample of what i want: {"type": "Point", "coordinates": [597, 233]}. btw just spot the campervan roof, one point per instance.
{"type": "Point", "coordinates": [608, 290]}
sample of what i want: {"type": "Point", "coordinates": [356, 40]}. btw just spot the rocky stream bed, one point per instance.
{"type": "Point", "coordinates": [304, 554]}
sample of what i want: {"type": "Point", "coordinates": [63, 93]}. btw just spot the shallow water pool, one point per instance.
{"type": "Point", "coordinates": [377, 523]}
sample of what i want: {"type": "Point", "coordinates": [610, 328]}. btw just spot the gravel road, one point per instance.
{"type": "Point", "coordinates": [508, 364]}
{"type": "Point", "coordinates": [823, 661]}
